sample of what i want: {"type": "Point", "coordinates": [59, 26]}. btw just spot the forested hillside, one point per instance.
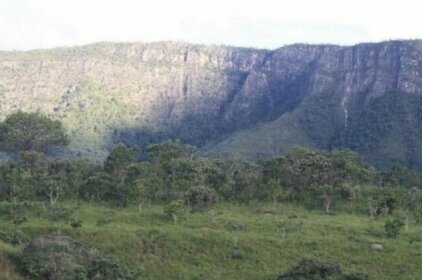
{"type": "Point", "coordinates": [223, 99]}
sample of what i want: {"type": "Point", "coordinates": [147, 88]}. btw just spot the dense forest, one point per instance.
{"type": "Point", "coordinates": [184, 183]}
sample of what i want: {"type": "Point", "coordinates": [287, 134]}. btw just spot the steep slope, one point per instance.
{"type": "Point", "coordinates": [105, 92]}
{"type": "Point", "coordinates": [367, 98]}
{"type": "Point", "coordinates": [260, 102]}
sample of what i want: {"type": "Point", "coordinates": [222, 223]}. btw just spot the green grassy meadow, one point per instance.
{"type": "Point", "coordinates": [256, 241]}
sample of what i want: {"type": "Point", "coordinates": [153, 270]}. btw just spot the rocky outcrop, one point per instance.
{"type": "Point", "coordinates": [142, 93]}
{"type": "Point", "coordinates": [364, 97]}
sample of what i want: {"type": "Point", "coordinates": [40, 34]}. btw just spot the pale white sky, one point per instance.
{"type": "Point", "coordinates": [29, 24]}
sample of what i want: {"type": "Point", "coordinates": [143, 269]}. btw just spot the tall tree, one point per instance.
{"type": "Point", "coordinates": [119, 158]}
{"type": "Point", "coordinates": [31, 132]}
{"type": "Point", "coordinates": [119, 165]}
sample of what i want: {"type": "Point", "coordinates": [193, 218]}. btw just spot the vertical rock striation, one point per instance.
{"type": "Point", "coordinates": [260, 102]}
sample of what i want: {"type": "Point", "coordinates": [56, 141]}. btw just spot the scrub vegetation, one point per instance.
{"type": "Point", "coordinates": [177, 214]}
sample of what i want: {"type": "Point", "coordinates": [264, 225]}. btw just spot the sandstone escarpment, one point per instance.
{"type": "Point", "coordinates": [141, 93]}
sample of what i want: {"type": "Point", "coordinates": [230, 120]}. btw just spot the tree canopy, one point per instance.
{"type": "Point", "coordinates": [23, 131]}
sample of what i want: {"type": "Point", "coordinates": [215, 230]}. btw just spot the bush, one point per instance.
{"type": "Point", "coordinates": [75, 224]}
{"type": "Point", "coordinates": [393, 227]}
{"type": "Point", "coordinates": [16, 238]}
{"type": "Point", "coordinates": [106, 268]}
{"type": "Point", "coordinates": [200, 197]}
{"type": "Point", "coordinates": [238, 254]}
{"type": "Point", "coordinates": [307, 269]}
{"type": "Point", "coordinates": [174, 210]}
{"type": "Point", "coordinates": [55, 257]}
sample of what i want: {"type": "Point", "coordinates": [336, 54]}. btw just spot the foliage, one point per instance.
{"type": "Point", "coordinates": [174, 210]}
{"type": "Point", "coordinates": [412, 202]}
{"type": "Point", "coordinates": [305, 175]}
{"type": "Point", "coordinates": [52, 189]}
{"type": "Point", "coordinates": [75, 223]}
{"type": "Point", "coordinates": [313, 269]}
{"type": "Point", "coordinates": [107, 268]}
{"type": "Point", "coordinates": [118, 159]}
{"type": "Point", "coordinates": [315, 179]}
{"type": "Point", "coordinates": [393, 227]}
{"type": "Point", "coordinates": [384, 129]}
{"type": "Point", "coordinates": [166, 151]}
{"type": "Point", "coordinates": [31, 132]}
{"type": "Point", "coordinates": [199, 197]}
{"type": "Point", "coordinates": [54, 257]}
{"type": "Point", "coordinates": [17, 237]}
{"type": "Point", "coordinates": [60, 257]}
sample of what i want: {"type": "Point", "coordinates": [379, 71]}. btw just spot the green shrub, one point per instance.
{"type": "Point", "coordinates": [200, 197]}
{"type": "Point", "coordinates": [238, 254]}
{"type": "Point", "coordinates": [107, 268]}
{"type": "Point", "coordinates": [174, 210]}
{"type": "Point", "coordinates": [17, 237]}
{"type": "Point", "coordinates": [393, 227]}
{"type": "Point", "coordinates": [75, 223]}
{"type": "Point", "coordinates": [307, 269]}
{"type": "Point", "coordinates": [54, 257]}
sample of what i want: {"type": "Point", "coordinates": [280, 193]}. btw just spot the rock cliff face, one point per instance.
{"type": "Point", "coordinates": [366, 97]}
{"type": "Point", "coordinates": [259, 102]}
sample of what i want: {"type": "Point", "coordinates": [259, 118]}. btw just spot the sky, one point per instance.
{"type": "Point", "coordinates": [33, 24]}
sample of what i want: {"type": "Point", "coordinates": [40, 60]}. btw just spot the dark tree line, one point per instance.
{"type": "Point", "coordinates": [175, 172]}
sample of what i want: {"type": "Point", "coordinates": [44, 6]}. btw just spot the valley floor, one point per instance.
{"type": "Point", "coordinates": [227, 241]}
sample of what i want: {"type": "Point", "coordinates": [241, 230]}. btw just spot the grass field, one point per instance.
{"type": "Point", "coordinates": [225, 242]}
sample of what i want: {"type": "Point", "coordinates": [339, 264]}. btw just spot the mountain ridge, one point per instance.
{"type": "Point", "coordinates": [209, 95]}
{"type": "Point", "coordinates": [187, 43]}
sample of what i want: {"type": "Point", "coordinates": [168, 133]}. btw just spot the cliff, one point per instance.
{"type": "Point", "coordinates": [366, 97]}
